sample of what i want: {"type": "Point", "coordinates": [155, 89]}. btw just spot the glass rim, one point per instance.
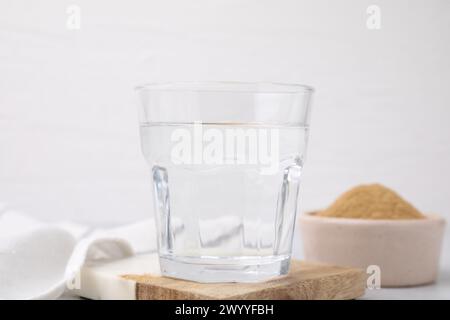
{"type": "Point", "coordinates": [227, 86]}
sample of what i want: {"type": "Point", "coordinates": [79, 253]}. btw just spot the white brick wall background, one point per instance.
{"type": "Point", "coordinates": [69, 146]}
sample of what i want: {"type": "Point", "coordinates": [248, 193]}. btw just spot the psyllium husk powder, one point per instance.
{"type": "Point", "coordinates": [373, 201]}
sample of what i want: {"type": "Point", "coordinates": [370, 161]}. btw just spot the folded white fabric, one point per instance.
{"type": "Point", "coordinates": [38, 260]}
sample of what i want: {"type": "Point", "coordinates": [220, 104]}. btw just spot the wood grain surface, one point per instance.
{"type": "Point", "coordinates": [305, 281]}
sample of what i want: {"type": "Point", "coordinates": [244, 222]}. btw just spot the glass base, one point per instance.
{"type": "Point", "coordinates": [230, 269]}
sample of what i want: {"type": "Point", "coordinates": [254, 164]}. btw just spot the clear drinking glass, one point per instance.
{"type": "Point", "coordinates": [226, 159]}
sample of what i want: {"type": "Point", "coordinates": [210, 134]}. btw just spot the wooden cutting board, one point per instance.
{"type": "Point", "coordinates": [126, 279]}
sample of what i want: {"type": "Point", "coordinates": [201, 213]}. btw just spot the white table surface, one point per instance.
{"type": "Point", "coordinates": [439, 291]}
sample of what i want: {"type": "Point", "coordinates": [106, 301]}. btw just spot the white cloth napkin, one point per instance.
{"type": "Point", "coordinates": [38, 261]}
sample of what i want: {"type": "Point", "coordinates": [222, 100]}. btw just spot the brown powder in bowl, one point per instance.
{"type": "Point", "coordinates": [372, 201]}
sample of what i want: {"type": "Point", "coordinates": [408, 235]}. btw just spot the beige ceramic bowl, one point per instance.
{"type": "Point", "coordinates": [407, 251]}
